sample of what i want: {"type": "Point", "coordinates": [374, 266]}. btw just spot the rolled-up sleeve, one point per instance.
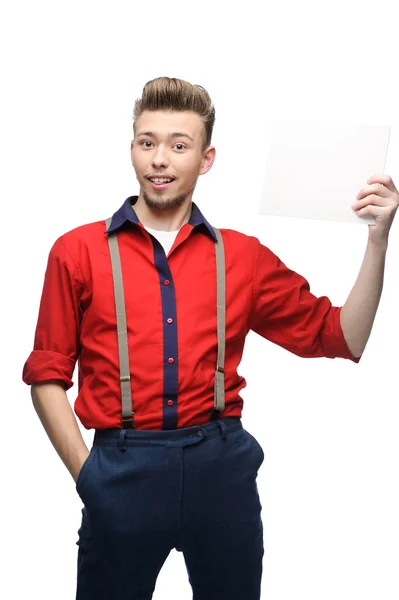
{"type": "Point", "coordinates": [285, 312]}
{"type": "Point", "coordinates": [56, 342]}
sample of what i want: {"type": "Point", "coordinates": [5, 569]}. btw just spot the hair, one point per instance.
{"type": "Point", "coordinates": [166, 93]}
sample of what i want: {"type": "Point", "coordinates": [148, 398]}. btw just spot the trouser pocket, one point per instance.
{"type": "Point", "coordinates": [257, 446]}
{"type": "Point", "coordinates": [85, 470]}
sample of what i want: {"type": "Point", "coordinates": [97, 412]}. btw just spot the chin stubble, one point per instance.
{"type": "Point", "coordinates": [160, 204]}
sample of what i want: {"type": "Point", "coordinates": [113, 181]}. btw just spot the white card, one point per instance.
{"type": "Point", "coordinates": [315, 169]}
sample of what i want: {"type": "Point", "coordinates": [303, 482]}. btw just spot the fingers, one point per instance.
{"type": "Point", "coordinates": [372, 200]}
{"type": "Point", "coordinates": [385, 180]}
{"type": "Point", "coordinates": [377, 189]}
{"type": "Point", "coordinates": [369, 210]}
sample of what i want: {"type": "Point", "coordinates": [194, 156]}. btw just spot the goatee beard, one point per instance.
{"type": "Point", "coordinates": [161, 204]}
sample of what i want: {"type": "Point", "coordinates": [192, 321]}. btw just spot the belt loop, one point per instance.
{"type": "Point", "coordinates": [222, 427]}
{"type": "Point", "coordinates": [122, 440]}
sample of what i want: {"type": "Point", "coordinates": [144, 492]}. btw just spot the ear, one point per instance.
{"type": "Point", "coordinates": [207, 160]}
{"type": "Point", "coordinates": [131, 151]}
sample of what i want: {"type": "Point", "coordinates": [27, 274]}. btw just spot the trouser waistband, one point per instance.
{"type": "Point", "coordinates": [178, 437]}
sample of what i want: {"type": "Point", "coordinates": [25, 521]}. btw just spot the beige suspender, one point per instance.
{"type": "Point", "coordinates": [127, 416]}
{"type": "Point", "coordinates": [221, 324]}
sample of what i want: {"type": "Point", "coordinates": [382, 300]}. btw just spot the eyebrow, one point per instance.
{"type": "Point", "coordinates": [171, 135]}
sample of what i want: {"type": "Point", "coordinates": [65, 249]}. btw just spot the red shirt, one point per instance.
{"type": "Point", "coordinates": [171, 319]}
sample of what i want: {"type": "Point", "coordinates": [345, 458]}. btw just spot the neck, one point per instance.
{"type": "Point", "coordinates": [163, 218]}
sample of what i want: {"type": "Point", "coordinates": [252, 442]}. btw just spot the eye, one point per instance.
{"type": "Point", "coordinates": [182, 146]}
{"type": "Point", "coordinates": [146, 142]}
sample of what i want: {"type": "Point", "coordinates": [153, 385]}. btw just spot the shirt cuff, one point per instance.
{"type": "Point", "coordinates": [337, 346]}
{"type": "Point", "coordinates": [46, 365]}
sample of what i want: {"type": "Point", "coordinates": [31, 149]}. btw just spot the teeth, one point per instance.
{"type": "Point", "coordinates": [159, 180]}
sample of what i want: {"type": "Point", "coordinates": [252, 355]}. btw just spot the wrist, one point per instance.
{"type": "Point", "coordinates": [78, 463]}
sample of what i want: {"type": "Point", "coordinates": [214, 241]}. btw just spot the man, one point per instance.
{"type": "Point", "coordinates": [142, 303]}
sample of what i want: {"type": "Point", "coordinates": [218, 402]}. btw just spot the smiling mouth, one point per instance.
{"type": "Point", "coordinates": [160, 183]}
{"type": "Point", "coordinates": [160, 180]}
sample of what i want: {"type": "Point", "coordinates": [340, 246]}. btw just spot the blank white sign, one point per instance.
{"type": "Point", "coordinates": [315, 169]}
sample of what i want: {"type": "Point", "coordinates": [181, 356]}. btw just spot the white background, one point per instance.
{"type": "Point", "coordinates": [70, 74]}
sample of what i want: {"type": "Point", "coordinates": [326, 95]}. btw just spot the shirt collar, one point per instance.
{"type": "Point", "coordinates": [127, 213]}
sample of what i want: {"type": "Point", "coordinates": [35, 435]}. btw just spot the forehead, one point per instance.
{"type": "Point", "coordinates": [165, 122]}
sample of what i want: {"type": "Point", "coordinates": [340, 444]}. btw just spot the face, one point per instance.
{"type": "Point", "coordinates": [169, 144]}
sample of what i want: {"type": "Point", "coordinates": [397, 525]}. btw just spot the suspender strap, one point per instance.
{"type": "Point", "coordinates": [221, 327]}
{"type": "Point", "coordinates": [127, 416]}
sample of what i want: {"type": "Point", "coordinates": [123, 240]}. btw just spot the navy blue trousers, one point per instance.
{"type": "Point", "coordinates": [148, 492]}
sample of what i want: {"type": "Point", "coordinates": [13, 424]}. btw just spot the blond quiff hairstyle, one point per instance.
{"type": "Point", "coordinates": [166, 93]}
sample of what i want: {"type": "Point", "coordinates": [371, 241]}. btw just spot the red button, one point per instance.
{"type": "Point", "coordinates": [169, 320]}
{"type": "Point", "coordinates": [171, 360]}
{"type": "Point", "coordinates": [166, 282]}
{"type": "Point", "coordinates": [170, 402]}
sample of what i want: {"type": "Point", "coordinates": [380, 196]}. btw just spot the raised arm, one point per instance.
{"type": "Point", "coordinates": [380, 199]}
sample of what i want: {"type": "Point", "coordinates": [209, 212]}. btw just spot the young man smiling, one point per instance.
{"type": "Point", "coordinates": [172, 145]}
{"type": "Point", "coordinates": [156, 304]}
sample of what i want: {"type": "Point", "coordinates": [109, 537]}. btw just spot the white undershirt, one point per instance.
{"type": "Point", "coordinates": [165, 238]}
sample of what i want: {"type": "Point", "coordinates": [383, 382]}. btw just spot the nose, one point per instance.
{"type": "Point", "coordinates": [159, 158]}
